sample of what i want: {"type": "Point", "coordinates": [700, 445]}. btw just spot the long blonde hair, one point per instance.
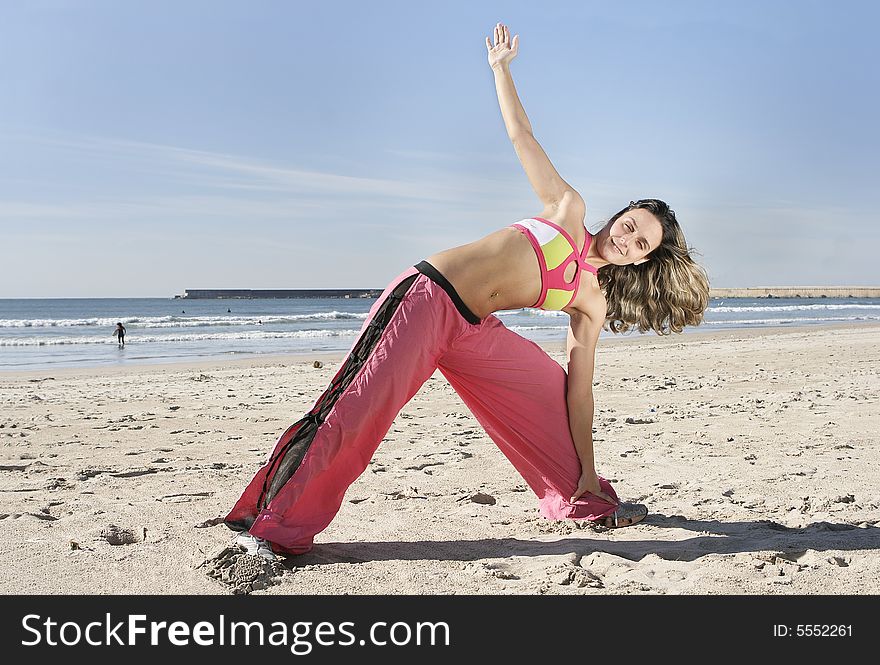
{"type": "Point", "coordinates": [665, 293]}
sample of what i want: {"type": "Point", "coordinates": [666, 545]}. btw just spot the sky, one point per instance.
{"type": "Point", "coordinates": [149, 147]}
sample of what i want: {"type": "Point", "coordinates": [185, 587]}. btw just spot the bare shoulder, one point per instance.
{"type": "Point", "coordinates": [569, 213]}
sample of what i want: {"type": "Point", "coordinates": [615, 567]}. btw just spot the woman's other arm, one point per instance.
{"type": "Point", "coordinates": [583, 335]}
{"type": "Point", "coordinates": [545, 180]}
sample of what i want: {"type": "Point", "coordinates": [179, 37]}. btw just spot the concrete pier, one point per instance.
{"type": "Point", "coordinates": [207, 294]}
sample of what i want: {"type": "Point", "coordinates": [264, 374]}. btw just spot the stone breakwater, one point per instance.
{"type": "Point", "coordinates": [203, 294]}
{"type": "Point", "coordinates": [798, 292]}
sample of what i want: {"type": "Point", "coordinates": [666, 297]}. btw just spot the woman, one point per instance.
{"type": "Point", "coordinates": [439, 315]}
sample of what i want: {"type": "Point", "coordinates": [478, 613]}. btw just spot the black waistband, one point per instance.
{"type": "Point", "coordinates": [434, 275]}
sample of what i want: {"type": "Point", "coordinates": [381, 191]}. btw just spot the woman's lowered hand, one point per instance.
{"type": "Point", "coordinates": [589, 482]}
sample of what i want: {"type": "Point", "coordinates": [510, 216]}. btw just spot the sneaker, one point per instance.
{"type": "Point", "coordinates": [256, 546]}
{"type": "Point", "coordinates": [626, 514]}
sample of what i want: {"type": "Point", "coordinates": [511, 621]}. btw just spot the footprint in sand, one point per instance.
{"type": "Point", "coordinates": [799, 560]}
{"type": "Point", "coordinates": [42, 515]}
{"type": "Point", "coordinates": [602, 563]}
{"type": "Point", "coordinates": [545, 573]}
{"type": "Point", "coordinates": [499, 571]}
{"type": "Point", "coordinates": [243, 573]}
{"type": "Point", "coordinates": [117, 535]}
{"type": "Point", "coordinates": [574, 575]}
{"type": "Point", "coordinates": [663, 574]}
{"type": "Point", "coordinates": [13, 467]}
{"type": "Point", "coordinates": [443, 457]}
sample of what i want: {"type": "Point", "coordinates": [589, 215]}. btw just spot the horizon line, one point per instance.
{"type": "Point", "coordinates": [361, 289]}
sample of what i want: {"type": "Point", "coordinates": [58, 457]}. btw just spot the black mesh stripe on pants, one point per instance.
{"type": "Point", "coordinates": [284, 463]}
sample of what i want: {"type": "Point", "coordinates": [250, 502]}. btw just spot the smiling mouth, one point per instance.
{"type": "Point", "coordinates": [615, 246]}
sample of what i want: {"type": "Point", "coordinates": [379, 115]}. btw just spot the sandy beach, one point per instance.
{"type": "Point", "coordinates": [756, 452]}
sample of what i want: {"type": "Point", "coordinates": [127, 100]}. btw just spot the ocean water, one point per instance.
{"type": "Point", "coordinates": [77, 332]}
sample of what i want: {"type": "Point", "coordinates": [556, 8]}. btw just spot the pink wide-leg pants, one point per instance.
{"type": "Point", "coordinates": [513, 388]}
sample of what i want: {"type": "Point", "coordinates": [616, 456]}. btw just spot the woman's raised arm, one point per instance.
{"type": "Point", "coordinates": [545, 180]}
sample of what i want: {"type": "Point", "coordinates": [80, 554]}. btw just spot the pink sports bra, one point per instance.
{"type": "Point", "coordinates": [556, 250]}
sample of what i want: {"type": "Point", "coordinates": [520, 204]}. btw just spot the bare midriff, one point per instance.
{"type": "Point", "coordinates": [497, 272]}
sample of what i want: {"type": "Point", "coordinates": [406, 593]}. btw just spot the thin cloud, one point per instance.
{"type": "Point", "coordinates": [260, 175]}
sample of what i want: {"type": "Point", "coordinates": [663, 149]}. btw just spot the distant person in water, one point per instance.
{"type": "Point", "coordinates": [119, 334]}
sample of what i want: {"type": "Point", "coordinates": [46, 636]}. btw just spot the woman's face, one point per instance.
{"type": "Point", "coordinates": [630, 238]}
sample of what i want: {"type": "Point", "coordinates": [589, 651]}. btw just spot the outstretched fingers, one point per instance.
{"type": "Point", "coordinates": [501, 37]}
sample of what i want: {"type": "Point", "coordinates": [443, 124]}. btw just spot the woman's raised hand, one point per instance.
{"type": "Point", "coordinates": [503, 50]}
